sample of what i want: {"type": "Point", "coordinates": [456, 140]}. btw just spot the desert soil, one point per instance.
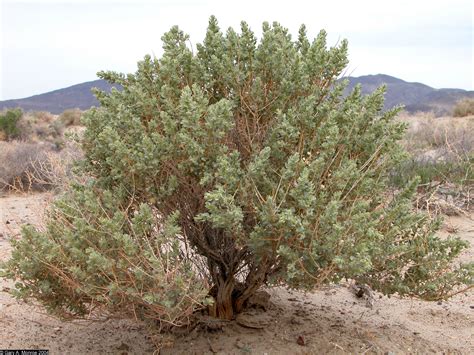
{"type": "Point", "coordinates": [331, 320]}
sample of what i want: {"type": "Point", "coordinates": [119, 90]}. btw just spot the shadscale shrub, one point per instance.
{"type": "Point", "coordinates": [218, 170]}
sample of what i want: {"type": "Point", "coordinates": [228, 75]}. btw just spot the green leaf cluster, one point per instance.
{"type": "Point", "coordinates": [96, 256]}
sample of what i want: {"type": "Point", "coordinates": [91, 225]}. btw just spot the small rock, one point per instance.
{"type": "Point", "coordinates": [239, 344]}
{"type": "Point", "coordinates": [295, 321]}
{"type": "Point", "coordinates": [260, 300]}
{"type": "Point", "coordinates": [471, 306]}
{"type": "Point", "coordinates": [300, 340]}
{"type": "Point", "coordinates": [248, 321]}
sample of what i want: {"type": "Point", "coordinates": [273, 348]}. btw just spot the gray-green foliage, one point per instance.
{"type": "Point", "coordinates": [263, 171]}
{"type": "Point", "coordinates": [9, 122]}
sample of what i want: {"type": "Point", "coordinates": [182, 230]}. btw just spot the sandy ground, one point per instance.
{"type": "Point", "coordinates": [331, 320]}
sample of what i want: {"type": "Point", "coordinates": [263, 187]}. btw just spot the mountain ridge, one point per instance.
{"type": "Point", "coordinates": [413, 95]}
{"type": "Point", "coordinates": [56, 101]}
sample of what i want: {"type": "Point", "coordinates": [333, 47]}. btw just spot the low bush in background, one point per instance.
{"type": "Point", "coordinates": [9, 123]}
{"type": "Point", "coordinates": [35, 166]}
{"type": "Point", "coordinates": [34, 154]}
{"type": "Point", "coordinates": [464, 108]}
{"type": "Point", "coordinates": [38, 126]}
{"type": "Point", "coordinates": [41, 127]}
{"type": "Point", "coordinates": [19, 160]}
{"type": "Point", "coordinates": [71, 117]}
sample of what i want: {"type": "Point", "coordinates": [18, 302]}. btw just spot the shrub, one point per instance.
{"type": "Point", "coordinates": [42, 117]}
{"type": "Point", "coordinates": [19, 164]}
{"type": "Point", "coordinates": [9, 121]}
{"type": "Point", "coordinates": [71, 117]}
{"type": "Point", "coordinates": [37, 166]}
{"type": "Point", "coordinates": [212, 174]}
{"type": "Point", "coordinates": [464, 107]}
{"type": "Point", "coordinates": [41, 127]}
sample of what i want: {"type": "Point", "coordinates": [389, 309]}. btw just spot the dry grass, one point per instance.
{"type": "Point", "coordinates": [441, 153]}
{"type": "Point", "coordinates": [440, 136]}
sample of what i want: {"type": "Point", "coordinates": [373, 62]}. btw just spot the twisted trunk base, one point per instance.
{"type": "Point", "coordinates": [230, 299]}
{"type": "Point", "coordinates": [222, 307]}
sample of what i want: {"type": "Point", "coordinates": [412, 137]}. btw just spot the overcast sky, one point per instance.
{"type": "Point", "coordinates": [47, 45]}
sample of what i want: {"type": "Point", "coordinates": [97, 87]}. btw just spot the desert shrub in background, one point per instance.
{"type": "Point", "coordinates": [37, 166]}
{"type": "Point", "coordinates": [216, 171]}
{"type": "Point", "coordinates": [41, 116]}
{"type": "Point", "coordinates": [19, 161]}
{"type": "Point", "coordinates": [57, 172]}
{"type": "Point", "coordinates": [464, 107]}
{"type": "Point", "coordinates": [71, 117]}
{"type": "Point", "coordinates": [9, 123]}
{"type": "Point", "coordinates": [41, 127]}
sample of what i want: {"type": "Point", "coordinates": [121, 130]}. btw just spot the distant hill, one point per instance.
{"type": "Point", "coordinates": [415, 96]}
{"type": "Point", "coordinates": [76, 96]}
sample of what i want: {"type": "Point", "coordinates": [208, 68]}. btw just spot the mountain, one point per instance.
{"type": "Point", "coordinates": [76, 96]}
{"type": "Point", "coordinates": [415, 96]}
